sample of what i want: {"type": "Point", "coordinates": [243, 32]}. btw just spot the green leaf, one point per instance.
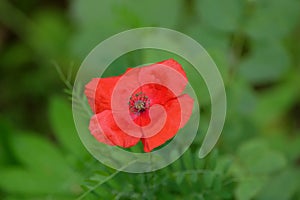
{"type": "Point", "coordinates": [21, 181]}
{"type": "Point", "coordinates": [5, 132]}
{"type": "Point", "coordinates": [248, 188]}
{"type": "Point", "coordinates": [223, 164]}
{"type": "Point", "coordinates": [97, 177]}
{"type": "Point", "coordinates": [212, 40]}
{"type": "Point", "coordinates": [193, 177]}
{"type": "Point", "coordinates": [49, 34]}
{"type": "Point", "coordinates": [188, 158]}
{"type": "Point", "coordinates": [268, 62]}
{"type": "Point", "coordinates": [60, 114]}
{"type": "Point", "coordinates": [241, 99]}
{"type": "Point", "coordinates": [258, 158]}
{"type": "Point", "coordinates": [212, 159]}
{"type": "Point", "coordinates": [272, 19]}
{"type": "Point", "coordinates": [281, 97]}
{"type": "Point", "coordinates": [208, 178]}
{"type": "Point", "coordinates": [99, 20]}
{"type": "Point", "coordinates": [282, 186]}
{"type": "Point", "coordinates": [179, 178]}
{"type": "Point", "coordinates": [40, 156]}
{"type": "Point", "coordinates": [89, 16]}
{"type": "Point", "coordinates": [221, 15]}
{"type": "Point", "coordinates": [217, 185]}
{"type": "Point", "coordinates": [44, 170]}
{"type": "Point", "coordinates": [15, 56]}
{"type": "Point", "coordinates": [166, 13]}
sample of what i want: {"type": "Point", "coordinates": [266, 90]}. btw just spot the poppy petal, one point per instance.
{"type": "Point", "coordinates": [175, 65]}
{"type": "Point", "coordinates": [99, 91]}
{"type": "Point", "coordinates": [187, 104]}
{"type": "Point", "coordinates": [178, 111]}
{"type": "Point", "coordinates": [141, 119]}
{"type": "Point", "coordinates": [158, 94]}
{"type": "Point", "coordinates": [104, 128]}
{"type": "Point", "coordinates": [168, 74]}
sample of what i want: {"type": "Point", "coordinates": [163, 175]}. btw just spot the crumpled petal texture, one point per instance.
{"type": "Point", "coordinates": [178, 106]}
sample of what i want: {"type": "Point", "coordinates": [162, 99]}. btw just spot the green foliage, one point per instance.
{"type": "Point", "coordinates": [186, 178]}
{"type": "Point", "coordinates": [61, 119]}
{"type": "Point", "coordinates": [269, 59]}
{"type": "Point", "coordinates": [43, 169]}
{"type": "Point", "coordinates": [256, 46]}
{"type": "Point", "coordinates": [272, 19]}
{"type": "Point", "coordinates": [49, 23]}
{"type": "Point", "coordinates": [222, 15]}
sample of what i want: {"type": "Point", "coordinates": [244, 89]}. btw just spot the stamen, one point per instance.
{"type": "Point", "coordinates": [138, 103]}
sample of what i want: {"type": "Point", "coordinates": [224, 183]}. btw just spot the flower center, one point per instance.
{"type": "Point", "coordinates": [139, 103]}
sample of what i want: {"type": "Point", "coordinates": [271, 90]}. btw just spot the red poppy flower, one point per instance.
{"type": "Point", "coordinates": [144, 103]}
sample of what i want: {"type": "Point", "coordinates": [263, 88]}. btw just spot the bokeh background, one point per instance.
{"type": "Point", "coordinates": [256, 45]}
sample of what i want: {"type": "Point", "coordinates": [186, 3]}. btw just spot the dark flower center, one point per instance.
{"type": "Point", "coordinates": [139, 103]}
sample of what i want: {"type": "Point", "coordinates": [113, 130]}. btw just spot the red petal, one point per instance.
{"type": "Point", "coordinates": [177, 117]}
{"type": "Point", "coordinates": [158, 94]}
{"type": "Point", "coordinates": [99, 91]}
{"type": "Point", "coordinates": [104, 128]}
{"type": "Point", "coordinates": [173, 64]}
{"type": "Point", "coordinates": [187, 104]}
{"type": "Point", "coordinates": [141, 119]}
{"type": "Point", "coordinates": [167, 73]}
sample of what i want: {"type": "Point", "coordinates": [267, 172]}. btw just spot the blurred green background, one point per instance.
{"type": "Point", "coordinates": [256, 45]}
